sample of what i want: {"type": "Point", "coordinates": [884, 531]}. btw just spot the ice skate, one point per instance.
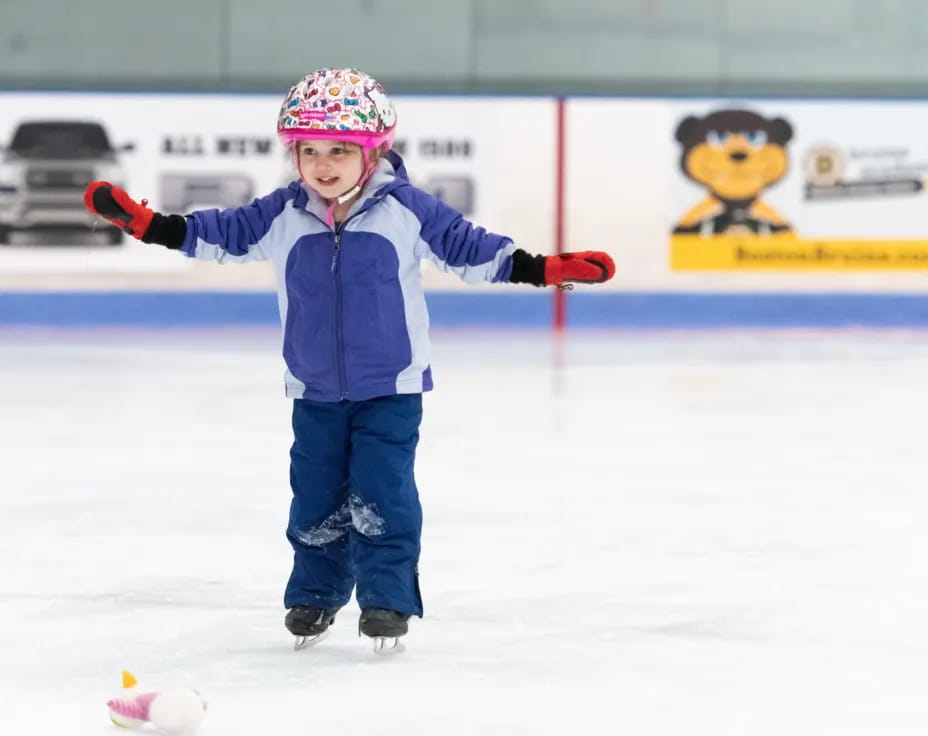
{"type": "Point", "coordinates": [385, 627]}
{"type": "Point", "coordinates": [309, 624]}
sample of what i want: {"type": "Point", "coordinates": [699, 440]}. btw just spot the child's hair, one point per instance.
{"type": "Point", "coordinates": [374, 154]}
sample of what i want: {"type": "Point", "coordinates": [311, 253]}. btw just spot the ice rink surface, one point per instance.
{"type": "Point", "coordinates": [625, 533]}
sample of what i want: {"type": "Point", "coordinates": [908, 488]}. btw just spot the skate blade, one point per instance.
{"type": "Point", "coordinates": [387, 645]}
{"type": "Point", "coordinates": [305, 642]}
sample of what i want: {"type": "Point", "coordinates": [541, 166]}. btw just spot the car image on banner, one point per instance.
{"type": "Point", "coordinates": [43, 173]}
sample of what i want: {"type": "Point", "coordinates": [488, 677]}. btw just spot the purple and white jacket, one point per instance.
{"type": "Point", "coordinates": [351, 302]}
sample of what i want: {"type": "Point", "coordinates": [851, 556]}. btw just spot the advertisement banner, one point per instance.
{"type": "Point", "coordinates": [799, 186]}
{"type": "Point", "coordinates": [488, 158]}
{"type": "Point", "coordinates": [688, 195]}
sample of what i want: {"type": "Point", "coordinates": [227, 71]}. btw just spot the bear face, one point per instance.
{"type": "Point", "coordinates": [735, 154]}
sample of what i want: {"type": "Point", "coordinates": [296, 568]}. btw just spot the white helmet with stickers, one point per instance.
{"type": "Point", "coordinates": [338, 104]}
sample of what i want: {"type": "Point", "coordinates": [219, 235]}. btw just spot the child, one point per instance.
{"type": "Point", "coordinates": [346, 240]}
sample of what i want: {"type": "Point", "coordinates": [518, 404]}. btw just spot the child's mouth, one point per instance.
{"type": "Point", "coordinates": [327, 180]}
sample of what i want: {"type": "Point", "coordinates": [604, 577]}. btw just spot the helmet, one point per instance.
{"type": "Point", "coordinates": [338, 104]}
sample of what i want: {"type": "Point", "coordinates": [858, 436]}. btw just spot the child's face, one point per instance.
{"type": "Point", "coordinates": [330, 167]}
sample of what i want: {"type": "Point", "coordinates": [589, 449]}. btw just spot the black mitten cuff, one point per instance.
{"type": "Point", "coordinates": [166, 230]}
{"type": "Point", "coordinates": [527, 269]}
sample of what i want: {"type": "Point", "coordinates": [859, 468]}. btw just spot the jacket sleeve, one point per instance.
{"type": "Point", "coordinates": [238, 234]}
{"type": "Point", "coordinates": [454, 244]}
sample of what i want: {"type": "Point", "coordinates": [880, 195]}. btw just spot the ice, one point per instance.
{"type": "Point", "coordinates": [625, 533]}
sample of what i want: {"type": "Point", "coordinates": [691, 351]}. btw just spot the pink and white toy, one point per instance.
{"type": "Point", "coordinates": [177, 712]}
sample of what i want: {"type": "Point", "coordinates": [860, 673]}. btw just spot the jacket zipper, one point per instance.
{"type": "Point", "coordinates": [339, 327]}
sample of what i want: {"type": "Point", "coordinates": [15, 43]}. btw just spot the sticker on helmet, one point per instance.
{"type": "Point", "coordinates": [384, 107]}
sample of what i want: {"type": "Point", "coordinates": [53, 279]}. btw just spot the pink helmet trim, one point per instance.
{"type": "Point", "coordinates": [362, 138]}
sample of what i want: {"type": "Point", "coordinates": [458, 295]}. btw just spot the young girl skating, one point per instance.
{"type": "Point", "coordinates": [346, 240]}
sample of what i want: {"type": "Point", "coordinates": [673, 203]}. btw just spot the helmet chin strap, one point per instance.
{"type": "Point", "coordinates": [341, 199]}
{"type": "Point", "coordinates": [349, 194]}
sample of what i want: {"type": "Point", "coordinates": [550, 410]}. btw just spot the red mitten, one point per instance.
{"type": "Point", "coordinates": [587, 267]}
{"type": "Point", "coordinates": [114, 205]}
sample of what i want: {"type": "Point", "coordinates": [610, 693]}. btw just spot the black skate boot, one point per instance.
{"type": "Point", "coordinates": [308, 624]}
{"type": "Point", "coordinates": [385, 627]}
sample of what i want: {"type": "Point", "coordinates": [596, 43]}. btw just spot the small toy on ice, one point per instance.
{"type": "Point", "coordinates": [176, 712]}
{"type": "Point", "coordinates": [127, 711]}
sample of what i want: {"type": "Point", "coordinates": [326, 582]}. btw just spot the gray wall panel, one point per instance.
{"type": "Point", "coordinates": [406, 39]}
{"type": "Point", "coordinates": [723, 46]}
{"type": "Point", "coordinates": [855, 40]}
{"type": "Point", "coordinates": [595, 42]}
{"type": "Point", "coordinates": [104, 39]}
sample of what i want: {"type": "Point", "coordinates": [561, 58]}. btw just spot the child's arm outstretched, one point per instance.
{"type": "Point", "coordinates": [238, 234]}
{"type": "Point", "coordinates": [456, 245]}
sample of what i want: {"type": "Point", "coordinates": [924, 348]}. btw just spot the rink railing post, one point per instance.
{"type": "Point", "coordinates": [560, 305]}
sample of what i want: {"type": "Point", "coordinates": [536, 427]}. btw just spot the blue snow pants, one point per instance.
{"type": "Point", "coordinates": [355, 517]}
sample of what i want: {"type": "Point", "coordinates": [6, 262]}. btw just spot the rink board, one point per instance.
{"type": "Point", "coordinates": [480, 310]}
{"type": "Point", "coordinates": [851, 197]}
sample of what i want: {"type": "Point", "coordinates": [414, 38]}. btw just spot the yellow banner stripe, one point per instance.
{"type": "Point", "coordinates": [787, 252]}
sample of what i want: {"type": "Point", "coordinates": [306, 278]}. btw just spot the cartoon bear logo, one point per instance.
{"type": "Point", "coordinates": [735, 155]}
